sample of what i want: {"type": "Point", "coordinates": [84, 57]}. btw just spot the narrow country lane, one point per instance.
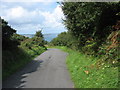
{"type": "Point", "coordinates": [46, 71]}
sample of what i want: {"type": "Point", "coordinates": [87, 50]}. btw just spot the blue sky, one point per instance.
{"type": "Point", "coordinates": [28, 17]}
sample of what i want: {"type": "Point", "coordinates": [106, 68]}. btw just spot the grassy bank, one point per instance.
{"type": "Point", "coordinates": [86, 74]}
{"type": "Point", "coordinates": [18, 58]}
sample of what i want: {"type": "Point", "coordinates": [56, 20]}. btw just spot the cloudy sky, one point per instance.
{"type": "Point", "coordinates": [30, 16]}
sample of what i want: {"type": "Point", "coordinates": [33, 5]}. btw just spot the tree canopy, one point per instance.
{"type": "Point", "coordinates": [90, 20]}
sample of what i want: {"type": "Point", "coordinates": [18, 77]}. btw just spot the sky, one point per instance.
{"type": "Point", "coordinates": [27, 17]}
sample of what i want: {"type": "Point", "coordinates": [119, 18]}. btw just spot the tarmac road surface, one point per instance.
{"type": "Point", "coordinates": [48, 70]}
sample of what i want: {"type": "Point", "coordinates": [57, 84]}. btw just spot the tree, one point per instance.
{"type": "Point", "coordinates": [39, 34]}
{"type": "Point", "coordinates": [38, 38]}
{"type": "Point", "coordinates": [90, 20]}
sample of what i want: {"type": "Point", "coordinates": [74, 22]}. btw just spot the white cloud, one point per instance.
{"type": "Point", "coordinates": [24, 20]}
{"type": "Point", "coordinates": [30, 0]}
{"type": "Point", "coordinates": [53, 19]}
{"type": "Point", "coordinates": [20, 15]}
{"type": "Point", "coordinates": [17, 12]}
{"type": "Point", "coordinates": [27, 28]}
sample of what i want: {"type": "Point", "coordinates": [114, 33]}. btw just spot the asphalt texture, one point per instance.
{"type": "Point", "coordinates": [48, 70]}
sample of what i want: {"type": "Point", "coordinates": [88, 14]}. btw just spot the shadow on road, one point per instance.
{"type": "Point", "coordinates": [18, 79]}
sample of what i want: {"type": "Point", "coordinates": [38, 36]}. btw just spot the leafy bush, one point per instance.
{"type": "Point", "coordinates": [109, 51]}
{"type": "Point", "coordinates": [18, 37]}
{"type": "Point", "coordinates": [65, 39]}
{"type": "Point", "coordinates": [90, 20]}
{"type": "Point", "coordinates": [89, 47]}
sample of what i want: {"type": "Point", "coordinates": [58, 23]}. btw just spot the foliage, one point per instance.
{"type": "Point", "coordinates": [39, 34]}
{"type": "Point", "coordinates": [38, 41]}
{"type": "Point", "coordinates": [89, 47]}
{"type": "Point", "coordinates": [59, 40]}
{"type": "Point", "coordinates": [33, 46]}
{"type": "Point", "coordinates": [89, 25]}
{"type": "Point", "coordinates": [18, 37]}
{"type": "Point", "coordinates": [90, 20]}
{"type": "Point", "coordinates": [7, 32]}
{"type": "Point", "coordinates": [109, 51]}
{"type": "Point", "coordinates": [65, 39]}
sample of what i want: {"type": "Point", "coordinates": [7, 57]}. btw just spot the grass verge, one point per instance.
{"type": "Point", "coordinates": [16, 59]}
{"type": "Point", "coordinates": [86, 74]}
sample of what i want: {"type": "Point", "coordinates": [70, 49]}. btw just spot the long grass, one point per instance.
{"type": "Point", "coordinates": [16, 59]}
{"type": "Point", "coordinates": [86, 74]}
